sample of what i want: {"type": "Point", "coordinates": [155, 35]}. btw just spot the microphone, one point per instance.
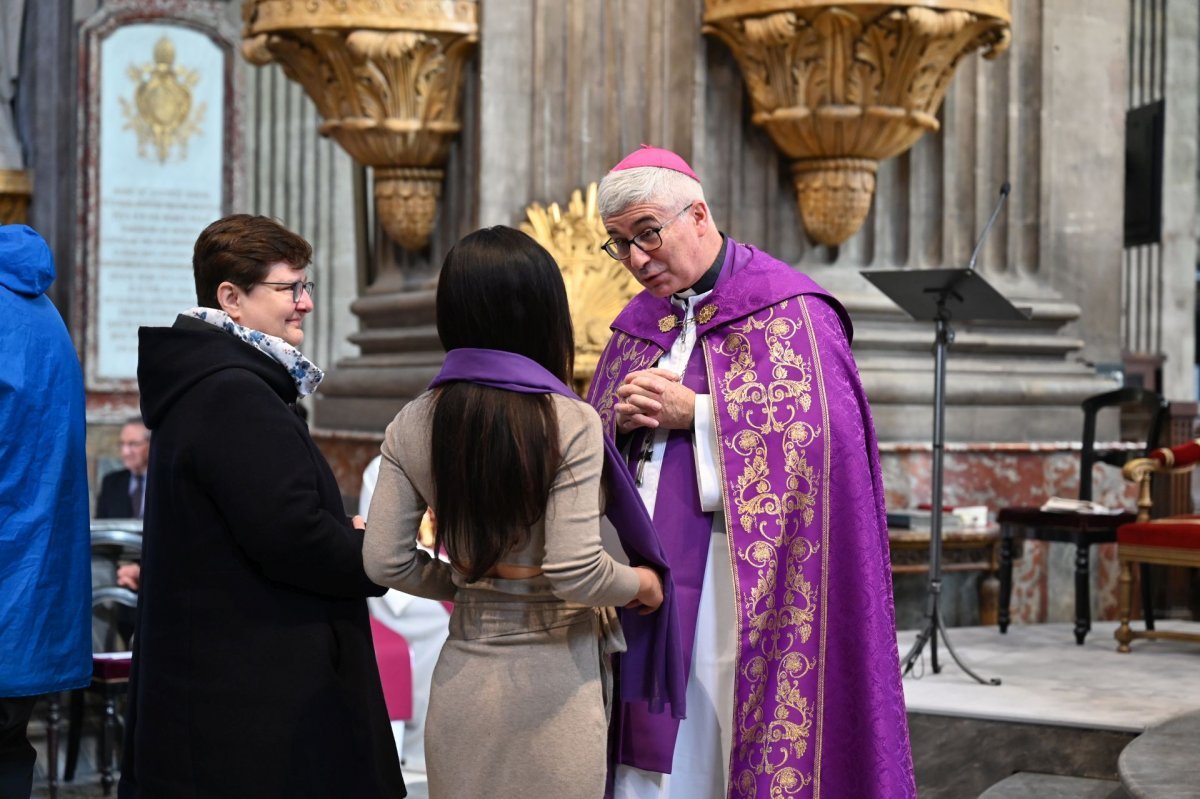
{"type": "Point", "coordinates": [1004, 190]}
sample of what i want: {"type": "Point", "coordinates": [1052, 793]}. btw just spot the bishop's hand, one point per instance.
{"type": "Point", "coordinates": [654, 398]}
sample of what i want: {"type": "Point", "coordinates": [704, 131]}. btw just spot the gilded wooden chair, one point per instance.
{"type": "Point", "coordinates": [1169, 541]}
{"type": "Point", "coordinates": [1081, 529]}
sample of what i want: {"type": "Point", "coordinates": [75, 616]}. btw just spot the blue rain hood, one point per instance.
{"type": "Point", "coordinates": [26, 266]}
{"type": "Point", "coordinates": [45, 554]}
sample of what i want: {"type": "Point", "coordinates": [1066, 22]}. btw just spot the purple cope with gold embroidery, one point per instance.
{"type": "Point", "coordinates": [818, 703]}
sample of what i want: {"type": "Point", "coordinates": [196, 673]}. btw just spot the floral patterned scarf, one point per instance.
{"type": "Point", "coordinates": [303, 372]}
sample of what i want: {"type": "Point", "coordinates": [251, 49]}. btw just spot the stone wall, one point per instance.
{"type": "Point", "coordinates": [1000, 475]}
{"type": "Point", "coordinates": [584, 85]}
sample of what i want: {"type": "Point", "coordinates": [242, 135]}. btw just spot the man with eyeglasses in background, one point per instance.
{"type": "Point", "coordinates": [122, 492]}
{"type": "Point", "coordinates": [122, 496]}
{"type": "Point", "coordinates": [730, 384]}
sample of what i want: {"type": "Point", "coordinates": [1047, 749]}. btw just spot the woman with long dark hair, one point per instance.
{"type": "Point", "coordinates": [513, 472]}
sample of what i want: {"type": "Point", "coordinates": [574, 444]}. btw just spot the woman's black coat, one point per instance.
{"type": "Point", "coordinates": [254, 673]}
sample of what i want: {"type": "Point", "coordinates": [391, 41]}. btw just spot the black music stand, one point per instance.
{"type": "Point", "coordinates": [942, 295]}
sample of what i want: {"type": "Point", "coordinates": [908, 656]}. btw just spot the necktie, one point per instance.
{"type": "Point", "coordinates": [136, 485]}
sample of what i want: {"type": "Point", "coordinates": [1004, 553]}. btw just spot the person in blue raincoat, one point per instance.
{"type": "Point", "coordinates": [45, 572]}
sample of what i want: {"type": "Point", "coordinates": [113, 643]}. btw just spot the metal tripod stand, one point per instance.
{"type": "Point", "coordinates": [936, 295]}
{"type": "Point", "coordinates": [933, 623]}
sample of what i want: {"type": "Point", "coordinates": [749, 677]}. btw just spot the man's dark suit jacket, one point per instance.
{"type": "Point", "coordinates": [113, 502]}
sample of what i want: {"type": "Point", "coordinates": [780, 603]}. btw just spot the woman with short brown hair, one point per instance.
{"type": "Point", "coordinates": [254, 673]}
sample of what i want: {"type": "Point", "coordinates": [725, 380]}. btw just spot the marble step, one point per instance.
{"type": "Point", "coordinates": [1030, 785]}
{"type": "Point", "coordinates": [1161, 762]}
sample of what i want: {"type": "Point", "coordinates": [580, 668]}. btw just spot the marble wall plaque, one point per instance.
{"type": "Point", "coordinates": [160, 181]}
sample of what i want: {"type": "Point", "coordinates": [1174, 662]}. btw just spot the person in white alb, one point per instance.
{"type": "Point", "coordinates": [424, 623]}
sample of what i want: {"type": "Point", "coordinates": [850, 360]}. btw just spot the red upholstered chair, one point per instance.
{"type": "Point", "coordinates": [395, 670]}
{"type": "Point", "coordinates": [1081, 529]}
{"type": "Point", "coordinates": [1169, 541]}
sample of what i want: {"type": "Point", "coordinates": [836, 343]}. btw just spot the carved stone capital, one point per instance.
{"type": "Point", "coordinates": [834, 195]}
{"type": "Point", "coordinates": [16, 188]}
{"type": "Point", "coordinates": [386, 77]}
{"type": "Point", "coordinates": [839, 84]}
{"type": "Point", "coordinates": [406, 202]}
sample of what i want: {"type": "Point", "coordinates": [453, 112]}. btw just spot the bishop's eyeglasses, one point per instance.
{"type": "Point", "coordinates": [647, 241]}
{"type": "Point", "coordinates": [298, 287]}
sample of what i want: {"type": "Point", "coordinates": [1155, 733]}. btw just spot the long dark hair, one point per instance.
{"type": "Point", "coordinates": [495, 453]}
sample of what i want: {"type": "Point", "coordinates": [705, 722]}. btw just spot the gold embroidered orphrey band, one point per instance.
{"type": "Point", "coordinates": [705, 314]}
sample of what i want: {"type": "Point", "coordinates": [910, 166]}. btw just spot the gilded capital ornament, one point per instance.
{"type": "Point", "coordinates": [841, 85]}
{"type": "Point", "coordinates": [386, 76]}
{"type": "Point", "coordinates": [16, 189]}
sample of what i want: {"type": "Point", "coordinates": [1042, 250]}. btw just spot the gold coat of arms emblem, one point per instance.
{"type": "Point", "coordinates": [161, 109]}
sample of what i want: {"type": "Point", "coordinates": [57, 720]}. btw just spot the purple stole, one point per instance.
{"type": "Point", "coordinates": [818, 703]}
{"type": "Point", "coordinates": [654, 673]}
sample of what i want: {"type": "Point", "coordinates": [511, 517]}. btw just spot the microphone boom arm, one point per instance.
{"type": "Point", "coordinates": [1004, 190]}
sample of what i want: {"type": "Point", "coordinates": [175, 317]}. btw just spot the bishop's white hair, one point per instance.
{"type": "Point", "coordinates": [666, 188]}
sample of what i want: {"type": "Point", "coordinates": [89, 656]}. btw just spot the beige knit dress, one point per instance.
{"type": "Point", "coordinates": [518, 702]}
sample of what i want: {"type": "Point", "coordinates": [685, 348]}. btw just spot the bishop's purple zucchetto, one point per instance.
{"type": "Point", "coordinates": [655, 156]}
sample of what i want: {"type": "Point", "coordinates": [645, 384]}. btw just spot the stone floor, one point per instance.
{"type": "Point", "coordinates": [80, 789]}
{"type": "Point", "coordinates": [1049, 786]}
{"type": "Point", "coordinates": [89, 787]}
{"type": "Point", "coordinates": [1060, 709]}
{"type": "Point", "coordinates": [1047, 682]}
{"type": "Point", "coordinates": [1046, 678]}
{"type": "Point", "coordinates": [86, 784]}
{"type": "Point", "coordinates": [1161, 764]}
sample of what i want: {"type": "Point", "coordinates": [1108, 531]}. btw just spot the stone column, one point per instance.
{"type": "Point", "coordinates": [1084, 82]}
{"type": "Point", "coordinates": [15, 182]}
{"type": "Point", "coordinates": [307, 182]}
{"type": "Point", "coordinates": [1019, 118]}
{"type": "Point", "coordinates": [398, 344]}
{"type": "Point", "coordinates": [546, 110]}
{"type": "Point", "coordinates": [1179, 252]}
{"type": "Point", "coordinates": [46, 103]}
{"type": "Point", "coordinates": [385, 78]}
{"type": "Point", "coordinates": [10, 62]}
{"type": "Point", "coordinates": [551, 115]}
